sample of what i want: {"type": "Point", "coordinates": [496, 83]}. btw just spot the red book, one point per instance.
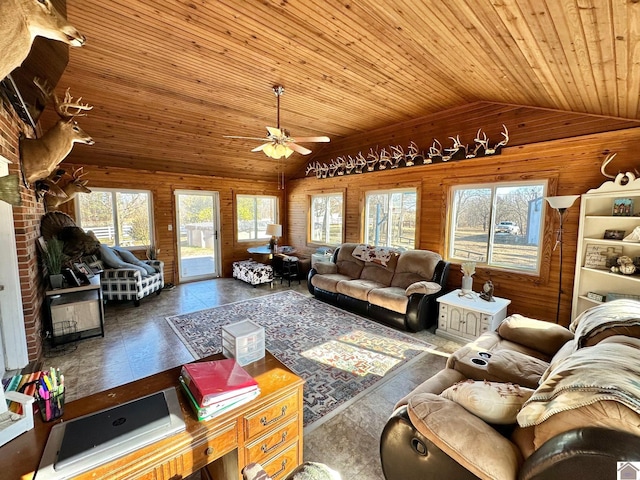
{"type": "Point", "coordinates": [211, 382]}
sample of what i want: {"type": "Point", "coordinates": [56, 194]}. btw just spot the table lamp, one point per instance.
{"type": "Point", "coordinates": [275, 231]}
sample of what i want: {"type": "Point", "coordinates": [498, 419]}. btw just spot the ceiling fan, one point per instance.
{"type": "Point", "coordinates": [278, 142]}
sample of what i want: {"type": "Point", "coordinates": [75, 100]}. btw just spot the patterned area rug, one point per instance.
{"type": "Point", "coordinates": [339, 354]}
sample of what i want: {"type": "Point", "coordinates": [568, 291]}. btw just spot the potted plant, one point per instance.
{"type": "Point", "coordinates": [53, 258]}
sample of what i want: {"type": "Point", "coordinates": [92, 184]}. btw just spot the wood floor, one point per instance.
{"type": "Point", "coordinates": [139, 342]}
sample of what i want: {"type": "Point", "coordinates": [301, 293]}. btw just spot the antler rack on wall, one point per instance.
{"type": "Point", "coordinates": [395, 157]}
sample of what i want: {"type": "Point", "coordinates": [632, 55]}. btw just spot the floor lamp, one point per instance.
{"type": "Point", "coordinates": [561, 204]}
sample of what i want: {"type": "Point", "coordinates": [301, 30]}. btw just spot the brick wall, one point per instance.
{"type": "Point", "coordinates": [26, 220]}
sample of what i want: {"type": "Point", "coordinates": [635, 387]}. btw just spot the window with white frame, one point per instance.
{"type": "Point", "coordinates": [390, 218]}
{"type": "Point", "coordinates": [326, 218]}
{"type": "Point", "coordinates": [498, 224]}
{"type": "Point", "coordinates": [254, 213]}
{"type": "Point", "coordinates": [117, 217]}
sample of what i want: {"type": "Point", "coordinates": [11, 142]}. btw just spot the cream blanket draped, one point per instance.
{"type": "Point", "coordinates": [606, 371]}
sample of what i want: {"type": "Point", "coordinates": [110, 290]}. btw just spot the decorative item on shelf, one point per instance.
{"type": "Point", "coordinates": [394, 156]}
{"type": "Point", "coordinates": [560, 204]}
{"type": "Point", "coordinates": [623, 207]}
{"type": "Point", "coordinates": [487, 291]}
{"type": "Point", "coordinates": [601, 257]}
{"type": "Point", "coordinates": [633, 236]}
{"type": "Point", "coordinates": [598, 297]}
{"type": "Point", "coordinates": [468, 269]}
{"type": "Point", "coordinates": [626, 265]}
{"type": "Point", "coordinates": [275, 231]}
{"type": "Point", "coordinates": [614, 234]}
{"type": "Point", "coordinates": [53, 258]}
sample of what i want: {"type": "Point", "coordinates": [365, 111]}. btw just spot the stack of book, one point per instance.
{"type": "Point", "coordinates": [216, 387]}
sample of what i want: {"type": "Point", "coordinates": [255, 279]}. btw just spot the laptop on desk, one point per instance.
{"type": "Point", "coordinates": [83, 443]}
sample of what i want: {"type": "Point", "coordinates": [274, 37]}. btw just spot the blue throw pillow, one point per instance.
{"type": "Point", "coordinates": [129, 257]}
{"type": "Point", "coordinates": [111, 259]}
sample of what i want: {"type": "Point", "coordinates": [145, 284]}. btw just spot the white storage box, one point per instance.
{"type": "Point", "coordinates": [243, 341]}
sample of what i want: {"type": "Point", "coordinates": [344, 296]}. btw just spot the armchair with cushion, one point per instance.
{"type": "Point", "coordinates": [125, 277]}
{"type": "Point", "coordinates": [529, 401]}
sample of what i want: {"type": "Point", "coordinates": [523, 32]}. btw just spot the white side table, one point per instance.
{"type": "Point", "coordinates": [464, 318]}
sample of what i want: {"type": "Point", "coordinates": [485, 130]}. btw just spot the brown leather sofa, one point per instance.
{"type": "Point", "coordinates": [575, 405]}
{"type": "Point", "coordinates": [401, 293]}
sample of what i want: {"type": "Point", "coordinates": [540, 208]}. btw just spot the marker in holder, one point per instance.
{"type": "Point", "coordinates": [50, 404]}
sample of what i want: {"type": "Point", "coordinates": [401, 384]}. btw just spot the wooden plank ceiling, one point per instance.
{"type": "Point", "coordinates": [170, 78]}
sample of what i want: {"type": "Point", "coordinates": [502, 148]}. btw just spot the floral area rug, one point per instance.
{"type": "Point", "coordinates": [337, 353]}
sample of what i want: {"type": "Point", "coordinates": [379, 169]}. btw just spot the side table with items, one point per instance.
{"type": "Point", "coordinates": [464, 317]}
{"type": "Point", "coordinates": [76, 313]}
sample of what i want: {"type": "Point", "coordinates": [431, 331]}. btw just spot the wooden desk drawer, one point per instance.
{"type": "Point", "coordinates": [223, 441]}
{"type": "Point", "coordinates": [283, 464]}
{"type": "Point", "coordinates": [266, 446]}
{"type": "Point", "coordinates": [270, 416]}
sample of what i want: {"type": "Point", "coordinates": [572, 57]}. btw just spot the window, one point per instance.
{"type": "Point", "coordinates": [498, 224]}
{"type": "Point", "coordinates": [117, 217]}
{"type": "Point", "coordinates": [254, 214]}
{"type": "Point", "coordinates": [326, 218]}
{"type": "Point", "coordinates": [390, 218]}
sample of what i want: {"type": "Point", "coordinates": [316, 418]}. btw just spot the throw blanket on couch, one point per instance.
{"type": "Point", "coordinates": [379, 255]}
{"type": "Point", "coordinates": [613, 315]}
{"type": "Point", "coordinates": [606, 371]}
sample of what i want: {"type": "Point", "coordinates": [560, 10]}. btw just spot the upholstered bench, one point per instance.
{"type": "Point", "coordinates": [252, 272]}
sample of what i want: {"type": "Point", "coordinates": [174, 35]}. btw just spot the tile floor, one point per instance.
{"type": "Point", "coordinates": [139, 342]}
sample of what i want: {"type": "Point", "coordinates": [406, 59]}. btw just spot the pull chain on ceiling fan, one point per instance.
{"type": "Point", "coordinates": [278, 142]}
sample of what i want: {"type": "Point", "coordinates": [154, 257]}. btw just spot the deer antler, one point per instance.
{"type": "Point", "coordinates": [311, 168]}
{"type": "Point", "coordinates": [372, 159]}
{"type": "Point", "coordinates": [606, 162]}
{"type": "Point", "coordinates": [77, 174]}
{"type": "Point", "coordinates": [63, 108]}
{"type": "Point", "coordinates": [435, 150]}
{"type": "Point", "coordinates": [505, 134]}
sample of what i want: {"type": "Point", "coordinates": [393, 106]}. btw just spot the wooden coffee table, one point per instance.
{"type": "Point", "coordinates": [267, 430]}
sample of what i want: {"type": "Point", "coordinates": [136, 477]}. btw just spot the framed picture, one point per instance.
{"type": "Point", "coordinates": [623, 207]}
{"type": "Point", "coordinates": [84, 269]}
{"type": "Point", "coordinates": [614, 234]}
{"type": "Point", "coordinates": [71, 278]}
{"type": "Point", "coordinates": [601, 257]}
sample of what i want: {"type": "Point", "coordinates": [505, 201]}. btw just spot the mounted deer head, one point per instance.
{"type": "Point", "coordinates": [41, 156]}
{"type": "Point", "coordinates": [23, 20]}
{"type": "Point", "coordinates": [74, 186]}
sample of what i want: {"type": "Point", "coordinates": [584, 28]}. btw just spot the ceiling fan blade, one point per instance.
{"type": "Point", "coordinates": [259, 148]}
{"type": "Point", "coordinates": [274, 132]}
{"type": "Point", "coordinates": [298, 148]}
{"type": "Point", "coordinates": [311, 139]}
{"type": "Point", "coordinates": [246, 138]}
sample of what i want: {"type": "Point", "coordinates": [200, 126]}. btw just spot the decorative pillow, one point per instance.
{"type": "Point", "coordinates": [493, 402]}
{"type": "Point", "coordinates": [129, 257]}
{"type": "Point", "coordinates": [427, 288]}
{"type": "Point", "coordinates": [112, 260]}
{"type": "Point", "coordinates": [369, 253]}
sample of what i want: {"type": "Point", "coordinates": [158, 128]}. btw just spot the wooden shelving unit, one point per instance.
{"type": "Point", "coordinates": [596, 216]}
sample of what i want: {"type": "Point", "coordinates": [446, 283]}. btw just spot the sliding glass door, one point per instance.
{"type": "Point", "coordinates": [197, 228]}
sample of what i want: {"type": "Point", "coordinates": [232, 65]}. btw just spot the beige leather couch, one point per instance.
{"type": "Point", "coordinates": [530, 401]}
{"type": "Point", "coordinates": [401, 293]}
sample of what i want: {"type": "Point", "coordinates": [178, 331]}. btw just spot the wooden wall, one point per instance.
{"type": "Point", "coordinates": [162, 186]}
{"type": "Point", "coordinates": [571, 164]}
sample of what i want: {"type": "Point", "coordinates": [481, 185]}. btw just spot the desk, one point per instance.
{"type": "Point", "coordinates": [267, 430]}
